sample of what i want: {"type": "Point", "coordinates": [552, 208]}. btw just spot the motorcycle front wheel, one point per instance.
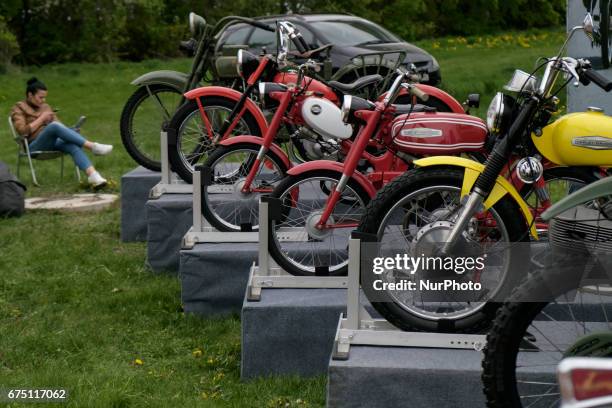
{"type": "Point", "coordinates": [294, 241]}
{"type": "Point", "coordinates": [141, 122]}
{"type": "Point", "coordinates": [419, 208]}
{"type": "Point", "coordinates": [224, 205]}
{"type": "Point", "coordinates": [193, 143]}
{"type": "Point", "coordinates": [531, 336]}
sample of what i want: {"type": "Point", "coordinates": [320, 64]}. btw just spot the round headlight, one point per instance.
{"type": "Point", "coordinates": [495, 113]}
{"type": "Point", "coordinates": [346, 107]}
{"type": "Point", "coordinates": [246, 63]}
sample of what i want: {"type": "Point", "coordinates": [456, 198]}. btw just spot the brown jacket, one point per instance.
{"type": "Point", "coordinates": [22, 114]}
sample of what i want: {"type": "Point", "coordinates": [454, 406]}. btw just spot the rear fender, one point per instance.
{"type": "Point", "coordinates": [276, 149]}
{"type": "Point", "coordinates": [472, 170]}
{"type": "Point", "coordinates": [229, 93]}
{"type": "Point", "coordinates": [335, 167]}
{"type": "Point", "coordinates": [451, 102]}
{"type": "Point", "coordinates": [174, 79]}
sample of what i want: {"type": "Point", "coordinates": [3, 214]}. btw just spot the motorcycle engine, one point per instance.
{"type": "Point", "coordinates": [325, 118]}
{"type": "Point", "coordinates": [589, 225]}
{"type": "Point", "coordinates": [315, 146]}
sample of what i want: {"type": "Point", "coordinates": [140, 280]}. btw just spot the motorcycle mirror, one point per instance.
{"type": "Point", "coordinates": [196, 23]}
{"type": "Point", "coordinates": [587, 25]}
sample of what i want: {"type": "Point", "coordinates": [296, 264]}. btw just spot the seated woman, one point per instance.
{"type": "Point", "coordinates": [35, 120]}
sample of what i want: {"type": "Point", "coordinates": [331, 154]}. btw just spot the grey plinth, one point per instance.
{"type": "Point", "coordinates": [169, 217]}
{"type": "Point", "coordinates": [405, 377]}
{"type": "Point", "coordinates": [214, 277]}
{"type": "Point", "coordinates": [135, 187]}
{"type": "Point", "coordinates": [290, 331]}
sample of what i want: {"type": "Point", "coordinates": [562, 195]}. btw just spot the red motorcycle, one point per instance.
{"type": "Point", "coordinates": [321, 202]}
{"type": "Point", "coordinates": [212, 114]}
{"type": "Point", "coordinates": [244, 167]}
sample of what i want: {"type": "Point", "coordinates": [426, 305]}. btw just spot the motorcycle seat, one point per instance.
{"type": "Point", "coordinates": [401, 109]}
{"type": "Point", "coordinates": [357, 84]}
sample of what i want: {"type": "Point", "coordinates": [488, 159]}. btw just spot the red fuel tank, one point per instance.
{"type": "Point", "coordinates": [437, 133]}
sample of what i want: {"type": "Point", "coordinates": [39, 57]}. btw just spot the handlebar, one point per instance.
{"type": "Point", "coordinates": [414, 90]}
{"type": "Point", "coordinates": [598, 79]}
{"type": "Point", "coordinates": [262, 26]}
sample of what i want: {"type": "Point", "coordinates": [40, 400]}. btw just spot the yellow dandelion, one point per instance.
{"type": "Point", "coordinates": [138, 362]}
{"type": "Point", "coordinates": [197, 353]}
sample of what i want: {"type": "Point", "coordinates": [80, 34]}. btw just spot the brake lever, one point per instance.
{"type": "Point", "coordinates": [570, 65]}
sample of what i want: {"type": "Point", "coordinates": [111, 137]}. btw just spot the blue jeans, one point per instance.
{"type": "Point", "coordinates": [56, 136]}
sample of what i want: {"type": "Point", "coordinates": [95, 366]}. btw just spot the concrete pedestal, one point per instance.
{"type": "Point", "coordinates": [135, 187]}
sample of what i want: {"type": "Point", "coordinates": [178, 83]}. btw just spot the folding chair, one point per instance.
{"type": "Point", "coordinates": [24, 151]}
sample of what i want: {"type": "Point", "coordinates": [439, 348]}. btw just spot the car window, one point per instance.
{"type": "Point", "coordinates": [349, 33]}
{"type": "Point", "coordinates": [308, 36]}
{"type": "Point", "coordinates": [262, 38]}
{"type": "Point", "coordinates": [236, 37]}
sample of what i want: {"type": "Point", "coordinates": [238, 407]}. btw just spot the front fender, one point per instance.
{"type": "Point", "coordinates": [174, 79]}
{"type": "Point", "coordinates": [472, 170]}
{"type": "Point", "coordinates": [335, 167]}
{"type": "Point", "coordinates": [276, 149]}
{"type": "Point", "coordinates": [234, 95]}
{"type": "Point", "coordinates": [594, 190]}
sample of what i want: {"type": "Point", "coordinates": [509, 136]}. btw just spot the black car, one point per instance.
{"type": "Point", "coordinates": [352, 36]}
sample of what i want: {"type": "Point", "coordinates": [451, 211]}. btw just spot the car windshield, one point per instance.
{"type": "Point", "coordinates": [350, 33]}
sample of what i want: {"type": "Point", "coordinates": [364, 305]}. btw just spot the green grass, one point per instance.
{"type": "Point", "coordinates": [77, 306]}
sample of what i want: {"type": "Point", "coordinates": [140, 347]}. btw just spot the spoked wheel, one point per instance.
{"type": "Point", "coordinates": [141, 122]}
{"type": "Point", "coordinates": [296, 243]}
{"type": "Point", "coordinates": [224, 203]}
{"type": "Point", "coordinates": [529, 339]}
{"type": "Point", "coordinates": [193, 142]}
{"type": "Point", "coordinates": [560, 182]}
{"type": "Point", "coordinates": [413, 215]}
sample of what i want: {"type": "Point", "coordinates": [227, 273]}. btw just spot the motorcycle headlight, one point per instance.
{"type": "Point", "coordinates": [495, 113]}
{"type": "Point", "coordinates": [246, 63]}
{"type": "Point", "coordinates": [346, 107]}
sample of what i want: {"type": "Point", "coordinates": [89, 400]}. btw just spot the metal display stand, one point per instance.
{"type": "Point", "coordinates": [202, 231]}
{"type": "Point", "coordinates": [170, 183]}
{"type": "Point", "coordinates": [267, 274]}
{"type": "Point", "coordinates": [359, 328]}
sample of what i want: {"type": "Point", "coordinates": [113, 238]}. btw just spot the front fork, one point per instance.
{"type": "Point", "coordinates": [494, 166]}
{"type": "Point", "coordinates": [267, 140]}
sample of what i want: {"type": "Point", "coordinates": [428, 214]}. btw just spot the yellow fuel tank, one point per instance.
{"type": "Point", "coordinates": [577, 139]}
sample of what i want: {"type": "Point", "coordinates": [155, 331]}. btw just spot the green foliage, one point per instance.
{"type": "Point", "coordinates": [8, 45]}
{"type": "Point", "coordinates": [105, 30]}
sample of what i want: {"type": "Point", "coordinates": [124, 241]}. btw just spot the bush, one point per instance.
{"type": "Point", "coordinates": [8, 45]}
{"type": "Point", "coordinates": [103, 30]}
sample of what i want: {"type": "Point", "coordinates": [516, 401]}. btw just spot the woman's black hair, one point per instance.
{"type": "Point", "coordinates": [34, 85]}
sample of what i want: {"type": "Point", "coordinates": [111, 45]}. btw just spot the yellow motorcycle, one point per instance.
{"type": "Point", "coordinates": [453, 207]}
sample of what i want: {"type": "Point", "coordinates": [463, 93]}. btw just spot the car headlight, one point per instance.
{"type": "Point", "coordinates": [346, 107]}
{"type": "Point", "coordinates": [435, 66]}
{"type": "Point", "coordinates": [495, 113]}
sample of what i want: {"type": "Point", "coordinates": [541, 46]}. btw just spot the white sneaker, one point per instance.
{"type": "Point", "coordinates": [96, 180]}
{"type": "Point", "coordinates": [100, 149]}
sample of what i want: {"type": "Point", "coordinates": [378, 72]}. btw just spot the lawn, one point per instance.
{"type": "Point", "coordinates": [78, 308]}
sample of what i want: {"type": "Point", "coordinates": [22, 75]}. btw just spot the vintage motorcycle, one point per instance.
{"type": "Point", "coordinates": [454, 203]}
{"type": "Point", "coordinates": [212, 114]}
{"type": "Point", "coordinates": [321, 201]}
{"type": "Point", "coordinates": [561, 311]}
{"type": "Point", "coordinates": [160, 93]}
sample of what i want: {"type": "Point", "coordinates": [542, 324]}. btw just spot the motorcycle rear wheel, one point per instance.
{"type": "Point", "coordinates": [141, 122]}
